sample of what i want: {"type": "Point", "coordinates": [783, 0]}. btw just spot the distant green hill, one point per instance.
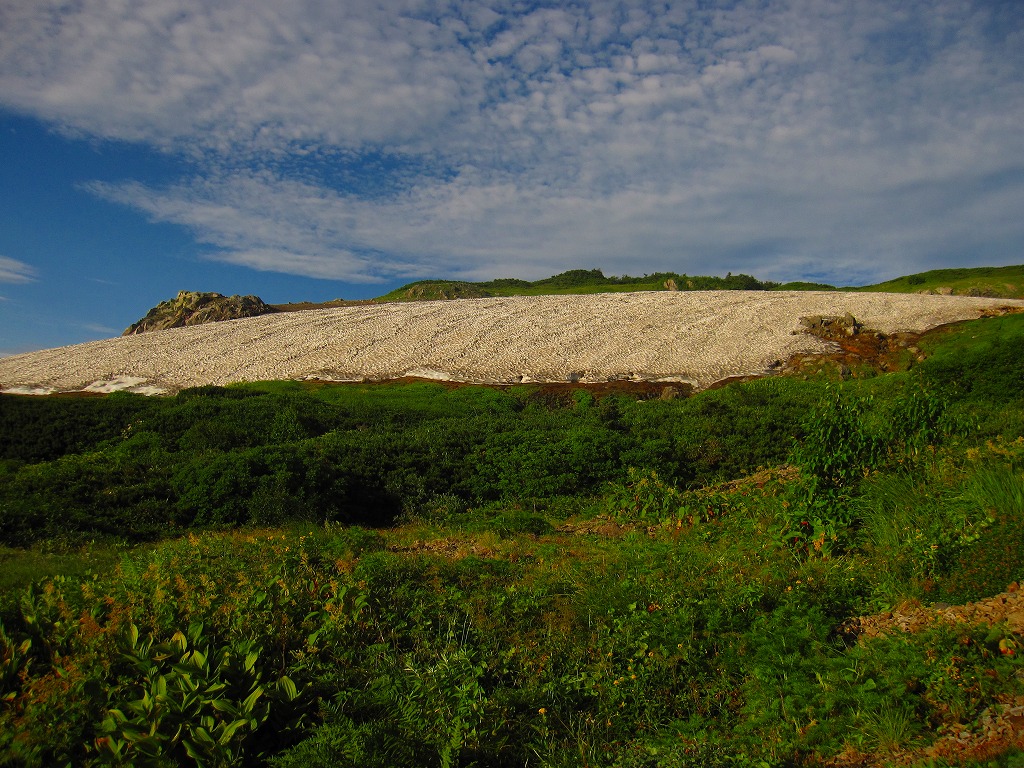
{"type": "Point", "coordinates": [1002, 282]}
{"type": "Point", "coordinates": [578, 281]}
{"type": "Point", "coordinates": [999, 282]}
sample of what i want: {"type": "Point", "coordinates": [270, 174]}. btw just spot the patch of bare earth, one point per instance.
{"type": "Point", "coordinates": [1001, 726]}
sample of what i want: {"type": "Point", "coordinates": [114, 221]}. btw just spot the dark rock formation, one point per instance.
{"type": "Point", "coordinates": [192, 308]}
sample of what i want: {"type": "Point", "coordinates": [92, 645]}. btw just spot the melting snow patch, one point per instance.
{"type": "Point", "coordinates": [429, 373]}
{"type": "Point", "coordinates": [125, 384]}
{"type": "Point", "coordinates": [27, 390]}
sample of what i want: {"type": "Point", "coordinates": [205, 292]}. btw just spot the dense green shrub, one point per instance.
{"type": "Point", "coordinates": [46, 428]}
{"type": "Point", "coordinates": [838, 446]}
{"type": "Point", "coordinates": [269, 453]}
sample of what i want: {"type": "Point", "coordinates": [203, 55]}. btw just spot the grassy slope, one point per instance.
{"type": "Point", "coordinates": [1004, 282]}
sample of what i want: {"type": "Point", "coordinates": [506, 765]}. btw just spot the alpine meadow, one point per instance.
{"type": "Point", "coordinates": [814, 568]}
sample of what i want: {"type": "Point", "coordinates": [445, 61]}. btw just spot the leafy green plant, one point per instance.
{"type": "Point", "coordinates": [993, 555]}
{"type": "Point", "coordinates": [14, 658]}
{"type": "Point", "coordinates": [645, 498]}
{"type": "Point", "coordinates": [190, 702]}
{"type": "Point", "coordinates": [838, 448]}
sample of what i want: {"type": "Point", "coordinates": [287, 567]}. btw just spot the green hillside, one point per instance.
{"type": "Point", "coordinates": [1002, 282]}
{"type": "Point", "coordinates": [576, 281]}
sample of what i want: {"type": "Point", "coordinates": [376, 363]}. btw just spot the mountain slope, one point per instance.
{"type": "Point", "coordinates": [698, 338]}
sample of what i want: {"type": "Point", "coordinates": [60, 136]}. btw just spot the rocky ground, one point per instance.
{"type": "Point", "coordinates": [694, 338]}
{"type": "Point", "coordinates": [999, 727]}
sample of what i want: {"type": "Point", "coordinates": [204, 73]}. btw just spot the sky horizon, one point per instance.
{"type": "Point", "coordinates": [317, 150]}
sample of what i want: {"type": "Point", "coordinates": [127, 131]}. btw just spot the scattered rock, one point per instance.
{"type": "Point", "coordinates": [1005, 607]}
{"type": "Point", "coordinates": [193, 308]}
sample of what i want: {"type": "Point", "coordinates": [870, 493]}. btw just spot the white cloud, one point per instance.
{"type": "Point", "coordinates": [776, 54]}
{"type": "Point", "coordinates": [226, 74]}
{"type": "Point", "coordinates": [14, 271]}
{"type": "Point", "coordinates": [603, 133]}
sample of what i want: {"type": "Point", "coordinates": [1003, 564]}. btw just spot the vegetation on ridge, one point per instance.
{"type": "Point", "coordinates": [294, 574]}
{"type": "Point", "coordinates": [584, 281]}
{"type": "Point", "coordinates": [193, 308]}
{"type": "Point", "coordinates": [1001, 282]}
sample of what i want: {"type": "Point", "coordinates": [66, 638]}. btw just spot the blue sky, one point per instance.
{"type": "Point", "coordinates": [317, 149]}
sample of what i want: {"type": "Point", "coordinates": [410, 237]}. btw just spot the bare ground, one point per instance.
{"type": "Point", "coordinates": [699, 338]}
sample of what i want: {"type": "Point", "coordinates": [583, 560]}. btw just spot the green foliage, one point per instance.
{"type": "Point", "coordinates": [979, 281]}
{"type": "Point", "coordinates": [582, 281]}
{"type": "Point", "coordinates": [838, 447]}
{"type": "Point", "coordinates": [995, 557]}
{"type": "Point", "coordinates": [846, 439]}
{"type": "Point", "coordinates": [14, 658]}
{"type": "Point", "coordinates": [702, 618]}
{"type": "Point", "coordinates": [643, 498]}
{"type": "Point", "coordinates": [592, 653]}
{"type": "Point", "coordinates": [185, 702]}
{"type": "Point", "coordinates": [271, 453]}
{"type": "Point", "coordinates": [981, 362]}
{"type": "Point", "coordinates": [720, 434]}
{"type": "Point", "coordinates": [45, 428]}
{"type": "Point", "coordinates": [418, 713]}
{"type": "Point", "coordinates": [972, 281]}
{"type": "Point", "coordinates": [519, 521]}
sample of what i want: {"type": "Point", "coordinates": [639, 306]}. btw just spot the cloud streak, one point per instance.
{"type": "Point", "coordinates": [370, 141]}
{"type": "Point", "coordinates": [14, 271]}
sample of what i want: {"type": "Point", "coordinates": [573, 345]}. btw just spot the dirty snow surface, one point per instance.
{"type": "Point", "coordinates": [698, 337]}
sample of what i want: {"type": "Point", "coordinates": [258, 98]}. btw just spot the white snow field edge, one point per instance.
{"type": "Point", "coordinates": [698, 337]}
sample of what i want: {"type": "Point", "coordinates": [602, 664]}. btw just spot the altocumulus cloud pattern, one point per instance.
{"type": "Point", "coordinates": [367, 141]}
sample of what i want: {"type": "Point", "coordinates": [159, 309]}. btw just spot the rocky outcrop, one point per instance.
{"type": "Point", "coordinates": [192, 308]}
{"type": "Point", "coordinates": [831, 327]}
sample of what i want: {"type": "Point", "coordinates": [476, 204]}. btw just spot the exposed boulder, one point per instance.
{"type": "Point", "coordinates": [833, 327]}
{"type": "Point", "coordinates": [193, 308]}
{"type": "Point", "coordinates": [669, 393]}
